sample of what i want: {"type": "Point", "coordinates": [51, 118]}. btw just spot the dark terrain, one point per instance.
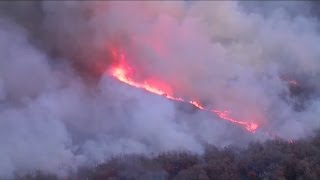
{"type": "Point", "coordinates": [273, 159]}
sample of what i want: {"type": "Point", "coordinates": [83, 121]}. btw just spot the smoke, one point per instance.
{"type": "Point", "coordinates": [59, 109]}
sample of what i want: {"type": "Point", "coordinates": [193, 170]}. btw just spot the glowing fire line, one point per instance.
{"type": "Point", "coordinates": [121, 72]}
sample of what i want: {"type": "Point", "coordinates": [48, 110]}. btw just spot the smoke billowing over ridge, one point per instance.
{"type": "Point", "coordinates": [60, 109]}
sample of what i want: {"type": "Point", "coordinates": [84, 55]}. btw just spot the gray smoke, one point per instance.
{"type": "Point", "coordinates": [59, 110]}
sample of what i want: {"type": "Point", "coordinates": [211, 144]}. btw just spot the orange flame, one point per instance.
{"type": "Point", "coordinates": [121, 71]}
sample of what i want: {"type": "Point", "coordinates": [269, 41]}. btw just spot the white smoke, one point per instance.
{"type": "Point", "coordinates": [229, 55]}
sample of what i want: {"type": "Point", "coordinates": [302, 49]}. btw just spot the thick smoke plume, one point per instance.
{"type": "Point", "coordinates": [59, 109]}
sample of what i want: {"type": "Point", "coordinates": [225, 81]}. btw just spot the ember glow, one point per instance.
{"type": "Point", "coordinates": [122, 71]}
{"type": "Point", "coordinates": [293, 82]}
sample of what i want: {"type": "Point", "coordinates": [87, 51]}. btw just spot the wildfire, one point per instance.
{"type": "Point", "coordinates": [122, 72]}
{"type": "Point", "coordinates": [293, 82]}
{"type": "Point", "coordinates": [290, 82]}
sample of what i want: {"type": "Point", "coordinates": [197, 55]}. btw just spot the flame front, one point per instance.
{"type": "Point", "coordinates": [121, 71]}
